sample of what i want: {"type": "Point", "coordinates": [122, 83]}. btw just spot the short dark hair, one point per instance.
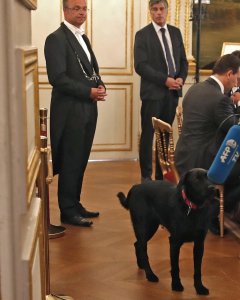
{"type": "Point", "coordinates": [152, 2]}
{"type": "Point", "coordinates": [237, 53]}
{"type": "Point", "coordinates": [226, 63]}
{"type": "Point", "coordinates": [64, 2]}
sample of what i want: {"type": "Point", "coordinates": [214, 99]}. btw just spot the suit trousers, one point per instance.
{"type": "Point", "coordinates": [75, 148]}
{"type": "Point", "coordinates": [164, 110]}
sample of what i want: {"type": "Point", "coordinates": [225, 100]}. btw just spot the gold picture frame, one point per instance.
{"type": "Point", "coordinates": [229, 47]}
{"type": "Point", "coordinates": [31, 4]}
{"type": "Point", "coordinates": [28, 59]}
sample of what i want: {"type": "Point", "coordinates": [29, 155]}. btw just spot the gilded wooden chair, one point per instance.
{"type": "Point", "coordinates": [179, 118]}
{"type": "Point", "coordinates": [219, 187]}
{"type": "Point", "coordinates": [165, 149]}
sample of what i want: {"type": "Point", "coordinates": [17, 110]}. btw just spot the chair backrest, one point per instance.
{"type": "Point", "coordinates": [165, 149]}
{"type": "Point", "coordinates": [179, 116]}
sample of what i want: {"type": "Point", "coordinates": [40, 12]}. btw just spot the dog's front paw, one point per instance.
{"type": "Point", "coordinates": [177, 285]}
{"type": "Point", "coordinates": [152, 277]}
{"type": "Point", "coordinates": [201, 289]}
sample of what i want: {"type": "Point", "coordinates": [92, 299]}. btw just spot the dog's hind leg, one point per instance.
{"type": "Point", "coordinates": [139, 255]}
{"type": "Point", "coordinates": [174, 257]}
{"type": "Point", "coordinates": [143, 261]}
{"type": "Point", "coordinates": [143, 236]}
{"type": "Point", "coordinates": [198, 251]}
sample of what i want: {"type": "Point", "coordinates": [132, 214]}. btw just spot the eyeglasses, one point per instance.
{"type": "Point", "coordinates": [78, 9]}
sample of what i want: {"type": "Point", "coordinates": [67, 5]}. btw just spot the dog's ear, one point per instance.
{"type": "Point", "coordinates": [183, 185]}
{"type": "Point", "coordinates": [182, 182]}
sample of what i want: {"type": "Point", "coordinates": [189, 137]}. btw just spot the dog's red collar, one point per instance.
{"type": "Point", "coordinates": [188, 202]}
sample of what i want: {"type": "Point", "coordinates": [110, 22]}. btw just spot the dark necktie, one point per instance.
{"type": "Point", "coordinates": [171, 70]}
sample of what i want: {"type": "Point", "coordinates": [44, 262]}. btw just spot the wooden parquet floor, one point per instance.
{"type": "Point", "coordinates": [98, 263]}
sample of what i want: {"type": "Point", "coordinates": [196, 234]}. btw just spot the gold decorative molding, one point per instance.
{"type": "Point", "coordinates": [205, 72]}
{"type": "Point", "coordinates": [128, 103]}
{"type": "Point", "coordinates": [58, 297]}
{"type": "Point", "coordinates": [124, 89]}
{"type": "Point", "coordinates": [229, 47]}
{"type": "Point", "coordinates": [169, 11]}
{"type": "Point", "coordinates": [191, 66]}
{"type": "Point", "coordinates": [187, 27]}
{"type": "Point", "coordinates": [28, 59]}
{"type": "Point", "coordinates": [177, 13]}
{"type": "Point", "coordinates": [31, 4]}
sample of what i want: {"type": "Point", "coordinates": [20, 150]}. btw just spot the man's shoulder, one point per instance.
{"type": "Point", "coordinates": [173, 28]}
{"type": "Point", "coordinates": [207, 89]}
{"type": "Point", "coordinates": [58, 32]}
{"type": "Point", "coordinates": [203, 86]}
{"type": "Point", "coordinates": [146, 29]}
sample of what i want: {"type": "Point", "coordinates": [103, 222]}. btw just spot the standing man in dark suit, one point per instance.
{"type": "Point", "coordinates": [208, 114]}
{"type": "Point", "coordinates": [77, 87]}
{"type": "Point", "coordinates": [161, 62]}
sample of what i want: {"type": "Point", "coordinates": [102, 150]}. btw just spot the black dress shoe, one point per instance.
{"type": "Point", "coordinates": [55, 231]}
{"type": "Point", "coordinates": [76, 220]}
{"type": "Point", "coordinates": [88, 214]}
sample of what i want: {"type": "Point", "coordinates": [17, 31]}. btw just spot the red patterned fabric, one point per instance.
{"type": "Point", "coordinates": [169, 176]}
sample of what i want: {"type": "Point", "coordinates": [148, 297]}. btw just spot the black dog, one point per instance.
{"type": "Point", "coordinates": [183, 210]}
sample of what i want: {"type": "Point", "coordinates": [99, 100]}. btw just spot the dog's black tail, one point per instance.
{"type": "Point", "coordinates": [123, 200]}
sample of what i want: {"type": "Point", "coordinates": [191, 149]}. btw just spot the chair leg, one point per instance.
{"type": "Point", "coordinates": [221, 213]}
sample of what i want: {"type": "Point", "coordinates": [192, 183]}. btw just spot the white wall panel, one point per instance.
{"type": "Point", "coordinates": [45, 20]}
{"type": "Point", "coordinates": [114, 129]}
{"type": "Point", "coordinates": [110, 27]}
{"type": "Point", "coordinates": [36, 274]}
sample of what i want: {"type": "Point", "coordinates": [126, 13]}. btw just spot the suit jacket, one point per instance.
{"type": "Point", "coordinates": [150, 62]}
{"type": "Point", "coordinates": [207, 116]}
{"type": "Point", "coordinates": [70, 84]}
